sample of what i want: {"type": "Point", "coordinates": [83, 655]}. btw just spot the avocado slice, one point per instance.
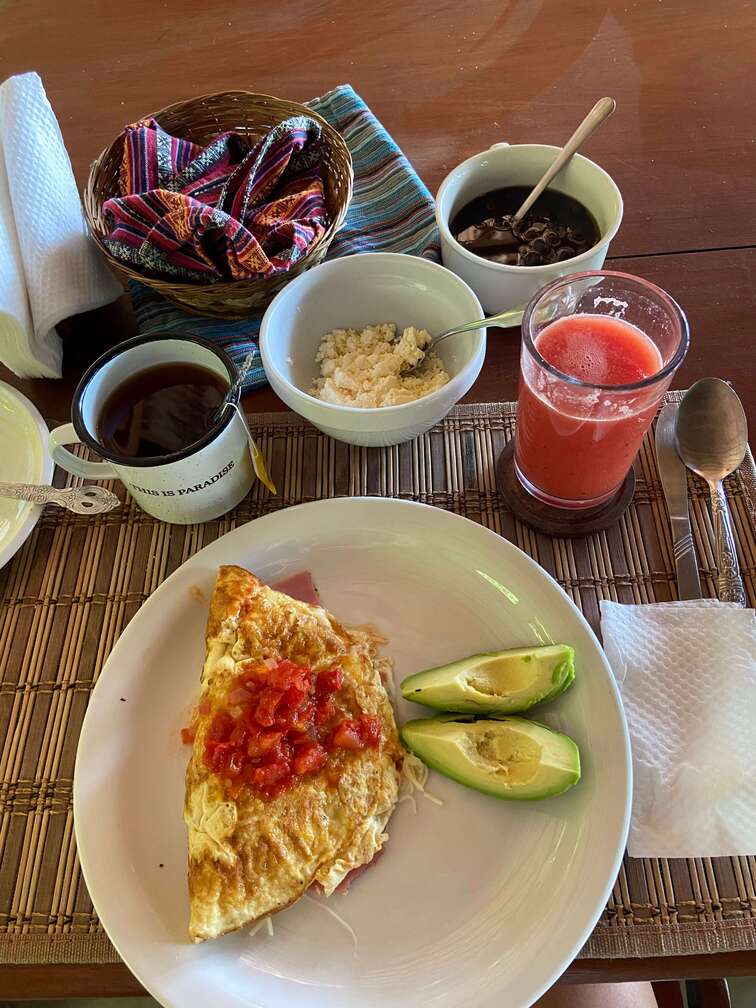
{"type": "Point", "coordinates": [507, 757]}
{"type": "Point", "coordinates": [505, 682]}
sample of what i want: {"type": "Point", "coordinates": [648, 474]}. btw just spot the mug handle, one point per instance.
{"type": "Point", "coordinates": [72, 463]}
{"type": "Point", "coordinates": [497, 145]}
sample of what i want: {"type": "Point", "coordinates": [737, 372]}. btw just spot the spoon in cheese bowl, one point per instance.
{"type": "Point", "coordinates": [511, 317]}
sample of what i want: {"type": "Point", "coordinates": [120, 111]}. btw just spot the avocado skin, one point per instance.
{"type": "Point", "coordinates": [477, 780]}
{"type": "Point", "coordinates": [416, 687]}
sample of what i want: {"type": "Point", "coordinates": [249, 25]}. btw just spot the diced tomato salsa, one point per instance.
{"type": "Point", "coordinates": [281, 721]}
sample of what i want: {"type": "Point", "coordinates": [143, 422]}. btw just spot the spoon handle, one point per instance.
{"type": "Point", "coordinates": [729, 583]}
{"type": "Point", "coordinates": [29, 492]}
{"type": "Point", "coordinates": [600, 111]}
{"type": "Point", "coordinates": [513, 316]}
{"type": "Point", "coordinates": [81, 500]}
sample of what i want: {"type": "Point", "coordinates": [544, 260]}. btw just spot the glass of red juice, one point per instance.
{"type": "Point", "coordinates": [599, 350]}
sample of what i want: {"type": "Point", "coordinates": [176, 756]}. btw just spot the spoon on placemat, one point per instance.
{"type": "Point", "coordinates": [598, 114]}
{"type": "Point", "coordinates": [81, 500]}
{"type": "Point", "coordinates": [712, 437]}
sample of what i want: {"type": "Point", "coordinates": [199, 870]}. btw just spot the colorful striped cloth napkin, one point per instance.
{"type": "Point", "coordinates": [391, 211]}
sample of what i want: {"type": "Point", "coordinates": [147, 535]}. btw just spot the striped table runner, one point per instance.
{"type": "Point", "coordinates": [391, 211]}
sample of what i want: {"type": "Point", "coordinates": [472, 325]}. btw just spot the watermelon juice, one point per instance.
{"type": "Point", "coordinates": [587, 396]}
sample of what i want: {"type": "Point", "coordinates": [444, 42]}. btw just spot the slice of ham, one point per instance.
{"type": "Point", "coordinates": [299, 586]}
{"type": "Point", "coordinates": [343, 887]}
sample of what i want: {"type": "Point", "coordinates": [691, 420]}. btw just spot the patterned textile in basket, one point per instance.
{"type": "Point", "coordinates": [226, 211]}
{"type": "Point", "coordinates": [391, 211]}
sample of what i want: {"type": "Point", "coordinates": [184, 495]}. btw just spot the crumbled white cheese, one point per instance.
{"type": "Point", "coordinates": [364, 368]}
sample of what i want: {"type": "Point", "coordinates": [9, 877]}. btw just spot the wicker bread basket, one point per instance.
{"type": "Point", "coordinates": [200, 119]}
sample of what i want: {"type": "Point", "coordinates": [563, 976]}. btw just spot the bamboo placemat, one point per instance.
{"type": "Point", "coordinates": [76, 583]}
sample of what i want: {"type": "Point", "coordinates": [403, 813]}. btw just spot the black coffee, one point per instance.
{"type": "Point", "coordinates": [556, 227]}
{"type": "Point", "coordinates": [161, 410]}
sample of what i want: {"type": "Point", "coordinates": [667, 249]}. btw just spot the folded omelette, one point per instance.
{"type": "Point", "coordinates": [295, 759]}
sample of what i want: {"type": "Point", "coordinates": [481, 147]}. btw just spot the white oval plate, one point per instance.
{"type": "Point", "coordinates": [476, 903]}
{"type": "Point", "coordinates": [24, 459]}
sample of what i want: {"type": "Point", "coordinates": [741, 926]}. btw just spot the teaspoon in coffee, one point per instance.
{"type": "Point", "coordinates": [233, 389]}
{"type": "Point", "coordinates": [598, 114]}
{"type": "Point", "coordinates": [712, 437]}
{"type": "Point", "coordinates": [81, 500]}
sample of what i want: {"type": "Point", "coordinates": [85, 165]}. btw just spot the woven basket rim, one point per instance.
{"type": "Point", "coordinates": [215, 94]}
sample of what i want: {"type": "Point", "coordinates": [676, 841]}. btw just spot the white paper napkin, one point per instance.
{"type": "Point", "coordinates": [687, 674]}
{"type": "Point", "coordinates": [49, 266]}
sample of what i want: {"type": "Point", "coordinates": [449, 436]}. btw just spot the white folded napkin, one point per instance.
{"type": "Point", "coordinates": [50, 268]}
{"type": "Point", "coordinates": [687, 674]}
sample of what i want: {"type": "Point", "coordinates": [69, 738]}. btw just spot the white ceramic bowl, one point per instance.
{"type": "Point", "coordinates": [500, 287]}
{"type": "Point", "coordinates": [354, 292]}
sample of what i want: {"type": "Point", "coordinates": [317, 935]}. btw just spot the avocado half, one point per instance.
{"type": "Point", "coordinates": [507, 757]}
{"type": "Point", "coordinates": [505, 682]}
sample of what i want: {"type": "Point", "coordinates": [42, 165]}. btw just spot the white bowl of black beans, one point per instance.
{"type": "Point", "coordinates": [568, 230]}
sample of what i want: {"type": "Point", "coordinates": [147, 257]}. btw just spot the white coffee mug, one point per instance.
{"type": "Point", "coordinates": [500, 287]}
{"type": "Point", "coordinates": [197, 484]}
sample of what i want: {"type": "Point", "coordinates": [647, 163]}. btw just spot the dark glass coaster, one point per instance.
{"type": "Point", "coordinates": [558, 521]}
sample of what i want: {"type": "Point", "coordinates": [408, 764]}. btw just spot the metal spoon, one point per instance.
{"type": "Point", "coordinates": [81, 500]}
{"type": "Point", "coordinates": [712, 437]}
{"type": "Point", "coordinates": [598, 114]}
{"type": "Point", "coordinates": [513, 316]}
{"type": "Point", "coordinates": [233, 389]}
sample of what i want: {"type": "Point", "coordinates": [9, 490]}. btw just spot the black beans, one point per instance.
{"type": "Point", "coordinates": [555, 229]}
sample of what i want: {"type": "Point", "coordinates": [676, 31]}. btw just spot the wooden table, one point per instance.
{"type": "Point", "coordinates": [448, 79]}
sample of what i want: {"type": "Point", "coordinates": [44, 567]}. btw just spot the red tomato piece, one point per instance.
{"type": "Point", "coordinates": [220, 728]}
{"type": "Point", "coordinates": [324, 711]}
{"type": "Point", "coordinates": [267, 705]}
{"type": "Point", "coordinates": [267, 776]}
{"type": "Point", "coordinates": [329, 681]}
{"type": "Point", "coordinates": [187, 735]}
{"type": "Point", "coordinates": [293, 697]}
{"type": "Point", "coordinates": [309, 758]}
{"type": "Point", "coordinates": [348, 735]}
{"type": "Point", "coordinates": [370, 729]}
{"type": "Point", "coordinates": [283, 785]}
{"type": "Point", "coordinates": [253, 675]}
{"type": "Point", "coordinates": [286, 673]}
{"type": "Point", "coordinates": [239, 695]}
{"type": "Point", "coordinates": [239, 735]}
{"type": "Point", "coordinates": [281, 751]}
{"type": "Point", "coordinates": [216, 754]}
{"type": "Point", "coordinates": [263, 742]}
{"type": "Point", "coordinates": [235, 763]}
{"type": "Point", "coordinates": [303, 718]}
{"type": "Point", "coordinates": [286, 667]}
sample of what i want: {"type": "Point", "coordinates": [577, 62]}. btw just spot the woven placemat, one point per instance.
{"type": "Point", "coordinates": [76, 583]}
